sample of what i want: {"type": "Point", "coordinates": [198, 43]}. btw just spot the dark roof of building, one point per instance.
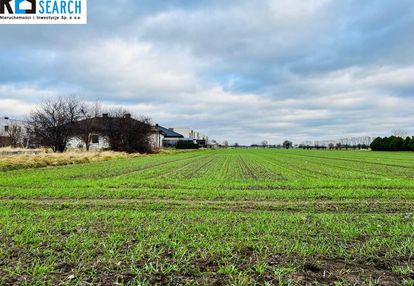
{"type": "Point", "coordinates": [167, 132]}
{"type": "Point", "coordinates": [98, 124]}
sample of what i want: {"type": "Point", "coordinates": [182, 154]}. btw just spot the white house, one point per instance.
{"type": "Point", "coordinates": [94, 129]}
{"type": "Point", "coordinates": [164, 137]}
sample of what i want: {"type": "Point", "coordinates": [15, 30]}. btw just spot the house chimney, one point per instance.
{"type": "Point", "coordinates": [105, 115]}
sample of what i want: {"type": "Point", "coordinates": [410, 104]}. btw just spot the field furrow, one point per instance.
{"type": "Point", "coordinates": [212, 217]}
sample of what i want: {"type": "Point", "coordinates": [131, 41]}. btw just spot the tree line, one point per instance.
{"type": "Point", "coordinates": [393, 143]}
{"type": "Point", "coordinates": [334, 146]}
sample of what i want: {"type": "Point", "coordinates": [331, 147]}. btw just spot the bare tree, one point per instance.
{"type": "Point", "coordinates": [399, 132]}
{"type": "Point", "coordinates": [265, 143]}
{"type": "Point", "coordinates": [127, 134]}
{"type": "Point", "coordinates": [226, 144]}
{"type": "Point", "coordinates": [15, 134]}
{"type": "Point", "coordinates": [85, 128]}
{"type": "Point", "coordinates": [52, 121]}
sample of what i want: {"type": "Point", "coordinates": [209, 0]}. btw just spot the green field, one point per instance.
{"type": "Point", "coordinates": [220, 217]}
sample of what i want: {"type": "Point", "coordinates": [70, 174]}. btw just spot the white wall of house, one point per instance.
{"type": "Point", "coordinates": [156, 140]}
{"type": "Point", "coordinates": [8, 123]}
{"type": "Point", "coordinates": [3, 125]}
{"type": "Point", "coordinates": [98, 143]}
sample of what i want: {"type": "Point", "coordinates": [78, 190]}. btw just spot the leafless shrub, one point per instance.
{"type": "Point", "coordinates": [52, 121]}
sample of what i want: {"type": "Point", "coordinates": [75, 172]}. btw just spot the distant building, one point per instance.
{"type": "Point", "coordinates": [200, 139]}
{"type": "Point", "coordinates": [13, 130]}
{"type": "Point", "coordinates": [164, 137]}
{"type": "Point", "coordinates": [214, 145]}
{"type": "Point", "coordinates": [168, 137]}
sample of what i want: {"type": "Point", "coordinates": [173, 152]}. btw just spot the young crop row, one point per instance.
{"type": "Point", "coordinates": [236, 216]}
{"type": "Point", "coordinates": [75, 246]}
{"type": "Point", "coordinates": [205, 172]}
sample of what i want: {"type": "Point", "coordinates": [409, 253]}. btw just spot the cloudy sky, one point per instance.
{"type": "Point", "coordinates": [240, 70]}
